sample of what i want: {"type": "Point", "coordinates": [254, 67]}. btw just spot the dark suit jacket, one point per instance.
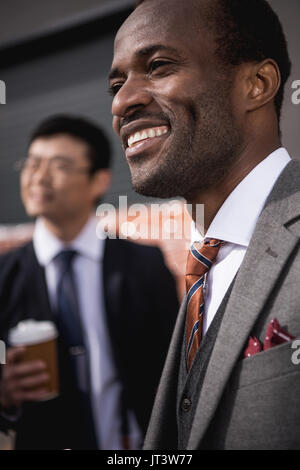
{"type": "Point", "coordinates": [141, 306]}
{"type": "Point", "coordinates": [251, 403]}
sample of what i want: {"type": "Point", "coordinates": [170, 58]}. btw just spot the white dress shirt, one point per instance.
{"type": "Point", "coordinates": [234, 223]}
{"type": "Point", "coordinates": [105, 385]}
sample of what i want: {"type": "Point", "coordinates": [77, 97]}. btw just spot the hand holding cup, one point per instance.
{"type": "Point", "coordinates": [31, 371]}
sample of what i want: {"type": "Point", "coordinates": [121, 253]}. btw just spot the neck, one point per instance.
{"type": "Point", "coordinates": [66, 230]}
{"type": "Point", "coordinates": [212, 198]}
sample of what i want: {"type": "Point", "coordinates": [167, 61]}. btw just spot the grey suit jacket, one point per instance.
{"type": "Point", "coordinates": [251, 403]}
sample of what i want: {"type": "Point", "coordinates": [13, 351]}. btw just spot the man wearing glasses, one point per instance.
{"type": "Point", "coordinates": [122, 290]}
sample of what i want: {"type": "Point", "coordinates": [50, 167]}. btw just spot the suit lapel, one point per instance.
{"type": "Point", "coordinates": [36, 288]}
{"type": "Point", "coordinates": [113, 281]}
{"type": "Point", "coordinates": [270, 248]}
{"type": "Point", "coordinates": [162, 429]}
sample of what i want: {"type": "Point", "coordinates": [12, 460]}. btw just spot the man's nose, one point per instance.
{"type": "Point", "coordinates": [43, 172]}
{"type": "Point", "coordinates": [132, 95]}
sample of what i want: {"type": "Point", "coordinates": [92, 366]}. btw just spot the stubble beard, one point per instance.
{"type": "Point", "coordinates": [199, 154]}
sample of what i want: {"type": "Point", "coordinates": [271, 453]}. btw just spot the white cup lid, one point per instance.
{"type": "Point", "coordinates": [31, 332]}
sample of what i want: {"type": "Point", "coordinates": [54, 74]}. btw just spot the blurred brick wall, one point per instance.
{"type": "Point", "coordinates": [12, 236]}
{"type": "Point", "coordinates": [167, 230]}
{"type": "Point", "coordinates": [174, 246]}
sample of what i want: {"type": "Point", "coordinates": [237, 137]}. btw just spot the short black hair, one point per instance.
{"type": "Point", "coordinates": [246, 31]}
{"type": "Point", "coordinates": [99, 152]}
{"type": "Point", "coordinates": [250, 30]}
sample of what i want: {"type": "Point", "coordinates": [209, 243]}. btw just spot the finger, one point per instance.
{"type": "Point", "coordinates": [35, 395]}
{"type": "Point", "coordinates": [14, 355]}
{"type": "Point", "coordinates": [19, 397]}
{"type": "Point", "coordinates": [34, 382]}
{"type": "Point", "coordinates": [27, 368]}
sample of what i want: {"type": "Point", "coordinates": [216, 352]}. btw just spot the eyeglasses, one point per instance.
{"type": "Point", "coordinates": [56, 165]}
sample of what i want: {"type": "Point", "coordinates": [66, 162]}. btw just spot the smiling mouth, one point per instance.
{"type": "Point", "coordinates": [146, 134]}
{"type": "Point", "coordinates": [40, 196]}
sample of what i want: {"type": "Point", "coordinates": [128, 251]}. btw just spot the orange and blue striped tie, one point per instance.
{"type": "Point", "coordinates": [200, 258]}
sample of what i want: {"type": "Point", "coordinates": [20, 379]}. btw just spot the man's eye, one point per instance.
{"type": "Point", "coordinates": [32, 163]}
{"type": "Point", "coordinates": [113, 89]}
{"type": "Point", "coordinates": [157, 64]}
{"type": "Point", "coordinates": [61, 166]}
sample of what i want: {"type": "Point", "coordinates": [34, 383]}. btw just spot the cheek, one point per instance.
{"type": "Point", "coordinates": [64, 186]}
{"type": "Point", "coordinates": [178, 100]}
{"type": "Point", "coordinates": [24, 185]}
{"type": "Point", "coordinates": [237, 107]}
{"type": "Point", "coordinates": [115, 125]}
{"type": "Point", "coordinates": [75, 192]}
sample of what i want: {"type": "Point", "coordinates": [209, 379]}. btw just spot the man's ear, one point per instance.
{"type": "Point", "coordinates": [263, 84]}
{"type": "Point", "coordinates": [101, 181]}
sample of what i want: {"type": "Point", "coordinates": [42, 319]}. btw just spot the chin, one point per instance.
{"type": "Point", "coordinates": [34, 214]}
{"type": "Point", "coordinates": [145, 188]}
{"type": "Point", "coordinates": [35, 211]}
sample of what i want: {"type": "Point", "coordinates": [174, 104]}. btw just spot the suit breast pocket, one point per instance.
{"type": "Point", "coordinates": [267, 365]}
{"type": "Point", "coordinates": [260, 408]}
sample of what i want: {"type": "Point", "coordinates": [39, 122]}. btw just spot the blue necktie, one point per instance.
{"type": "Point", "coordinates": [70, 328]}
{"type": "Point", "coordinates": [68, 315]}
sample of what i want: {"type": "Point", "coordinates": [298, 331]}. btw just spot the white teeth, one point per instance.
{"type": "Point", "coordinates": [146, 134]}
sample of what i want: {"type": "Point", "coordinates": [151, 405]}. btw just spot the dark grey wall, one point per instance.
{"type": "Point", "coordinates": [289, 14]}
{"type": "Point", "coordinates": [23, 18]}
{"type": "Point", "coordinates": [73, 79]}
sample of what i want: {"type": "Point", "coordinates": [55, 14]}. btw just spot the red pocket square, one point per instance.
{"type": "Point", "coordinates": [275, 335]}
{"type": "Point", "coordinates": [253, 347]}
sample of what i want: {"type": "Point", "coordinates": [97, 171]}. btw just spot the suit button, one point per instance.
{"type": "Point", "coordinates": [186, 404]}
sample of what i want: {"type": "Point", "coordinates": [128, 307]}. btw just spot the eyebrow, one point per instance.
{"type": "Point", "coordinates": [144, 52]}
{"type": "Point", "coordinates": [57, 157]}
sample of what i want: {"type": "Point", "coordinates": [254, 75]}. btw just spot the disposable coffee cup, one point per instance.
{"type": "Point", "coordinates": [40, 341]}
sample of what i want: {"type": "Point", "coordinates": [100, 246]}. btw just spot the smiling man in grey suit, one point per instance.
{"type": "Point", "coordinates": [198, 89]}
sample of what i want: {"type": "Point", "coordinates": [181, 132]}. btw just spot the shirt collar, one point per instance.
{"type": "Point", "coordinates": [47, 245]}
{"type": "Point", "coordinates": [236, 219]}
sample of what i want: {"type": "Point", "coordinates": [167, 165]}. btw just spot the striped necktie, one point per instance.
{"type": "Point", "coordinates": [200, 258]}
